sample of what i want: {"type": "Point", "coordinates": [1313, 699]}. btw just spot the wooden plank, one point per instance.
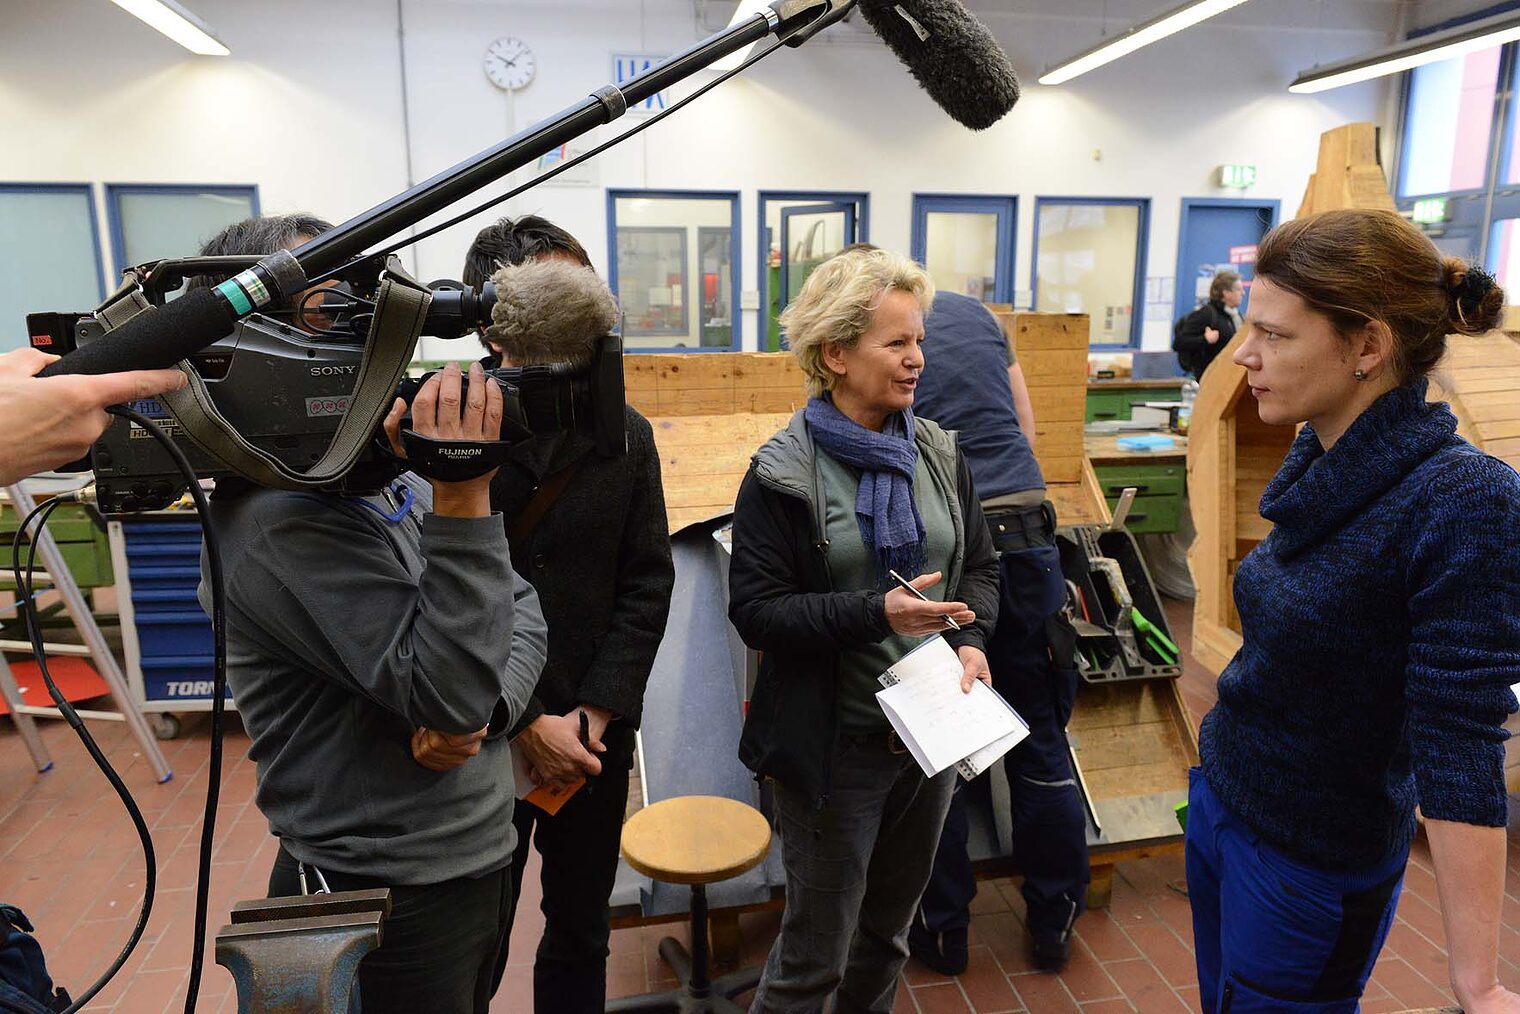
{"type": "Point", "coordinates": [1508, 450]}
{"type": "Point", "coordinates": [1074, 504]}
{"type": "Point", "coordinates": [1501, 428]}
{"type": "Point", "coordinates": [1057, 441]}
{"type": "Point", "coordinates": [1252, 526]}
{"type": "Point", "coordinates": [1060, 468]}
{"type": "Point", "coordinates": [1058, 363]}
{"type": "Point", "coordinates": [1118, 704]}
{"type": "Point", "coordinates": [1476, 403]}
{"type": "Point", "coordinates": [1124, 746]}
{"type": "Point", "coordinates": [743, 430]}
{"type": "Point", "coordinates": [1137, 780]}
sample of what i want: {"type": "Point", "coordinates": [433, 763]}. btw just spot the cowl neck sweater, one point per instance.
{"type": "Point", "coordinates": [1380, 626]}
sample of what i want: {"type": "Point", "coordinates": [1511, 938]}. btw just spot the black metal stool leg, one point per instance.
{"type": "Point", "coordinates": [697, 982]}
{"type": "Point", "coordinates": [699, 993]}
{"type": "Point", "coordinates": [734, 983]}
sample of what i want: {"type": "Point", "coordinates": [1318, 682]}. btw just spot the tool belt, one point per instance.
{"type": "Point", "coordinates": [1016, 528]}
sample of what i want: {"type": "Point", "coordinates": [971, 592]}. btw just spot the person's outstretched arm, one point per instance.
{"type": "Point", "coordinates": [51, 421]}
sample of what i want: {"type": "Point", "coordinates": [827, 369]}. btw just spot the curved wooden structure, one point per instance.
{"type": "Point", "coordinates": [1232, 454]}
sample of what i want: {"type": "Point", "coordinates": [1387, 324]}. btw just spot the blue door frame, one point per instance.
{"type": "Point", "coordinates": [732, 196]}
{"type": "Point", "coordinates": [1005, 206]}
{"type": "Point", "coordinates": [862, 202]}
{"type": "Point", "coordinates": [1183, 300]}
{"type": "Point", "coordinates": [1142, 246]}
{"type": "Point", "coordinates": [845, 208]}
{"type": "Point", "coordinates": [113, 209]}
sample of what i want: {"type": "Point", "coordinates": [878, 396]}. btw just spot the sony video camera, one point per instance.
{"type": "Point", "coordinates": [285, 387]}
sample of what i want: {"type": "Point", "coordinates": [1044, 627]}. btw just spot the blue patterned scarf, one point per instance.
{"type": "Point", "coordinates": [889, 520]}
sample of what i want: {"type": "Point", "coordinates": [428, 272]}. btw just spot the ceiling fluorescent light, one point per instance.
{"type": "Point", "coordinates": [1140, 36]}
{"type": "Point", "coordinates": [1413, 53]}
{"type": "Point", "coordinates": [177, 23]}
{"type": "Point", "coordinates": [746, 10]}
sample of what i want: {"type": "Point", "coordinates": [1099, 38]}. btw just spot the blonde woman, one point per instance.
{"type": "Point", "coordinates": [853, 488]}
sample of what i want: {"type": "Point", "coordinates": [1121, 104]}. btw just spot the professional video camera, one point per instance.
{"type": "Point", "coordinates": [283, 379]}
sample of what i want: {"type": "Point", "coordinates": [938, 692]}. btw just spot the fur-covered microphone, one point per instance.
{"type": "Point", "coordinates": [951, 54]}
{"type": "Point", "coordinates": [550, 312]}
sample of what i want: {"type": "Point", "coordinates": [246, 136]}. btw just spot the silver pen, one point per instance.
{"type": "Point", "coordinates": [900, 580]}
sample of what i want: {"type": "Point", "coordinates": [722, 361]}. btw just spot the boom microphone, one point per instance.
{"type": "Point", "coordinates": [951, 54]}
{"type": "Point", "coordinates": [550, 311]}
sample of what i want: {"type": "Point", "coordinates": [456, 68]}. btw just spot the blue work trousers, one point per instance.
{"type": "Point", "coordinates": [1049, 823]}
{"type": "Point", "coordinates": [1271, 933]}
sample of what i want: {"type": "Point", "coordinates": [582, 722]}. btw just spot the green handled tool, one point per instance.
{"type": "Point", "coordinates": [1154, 638]}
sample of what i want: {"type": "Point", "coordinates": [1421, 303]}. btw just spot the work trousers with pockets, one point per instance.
{"type": "Point", "coordinates": [1049, 823]}
{"type": "Point", "coordinates": [1271, 933]}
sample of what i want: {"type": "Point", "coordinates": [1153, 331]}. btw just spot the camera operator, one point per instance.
{"type": "Point", "coordinates": [50, 421]}
{"type": "Point", "coordinates": [590, 533]}
{"type": "Point", "coordinates": [364, 629]}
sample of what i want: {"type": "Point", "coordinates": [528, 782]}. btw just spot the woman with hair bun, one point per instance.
{"type": "Point", "coordinates": [1380, 636]}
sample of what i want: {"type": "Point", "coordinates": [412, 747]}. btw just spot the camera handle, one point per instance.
{"type": "Point", "coordinates": [400, 310]}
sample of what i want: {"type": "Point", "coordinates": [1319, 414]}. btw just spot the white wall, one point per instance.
{"type": "Point", "coordinates": [309, 108]}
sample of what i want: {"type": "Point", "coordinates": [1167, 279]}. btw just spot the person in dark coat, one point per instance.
{"type": "Point", "coordinates": [1203, 334]}
{"type": "Point", "coordinates": [852, 488]}
{"type": "Point", "coordinates": [590, 533]}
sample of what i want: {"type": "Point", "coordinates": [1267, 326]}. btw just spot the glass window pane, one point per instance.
{"type": "Point", "coordinates": [47, 257]}
{"type": "Point", "coordinates": [675, 271]}
{"type": "Point", "coordinates": [1087, 265]}
{"type": "Point", "coordinates": [174, 223]}
{"type": "Point", "coordinates": [1450, 118]}
{"type": "Point", "coordinates": [960, 252]}
{"type": "Point", "coordinates": [811, 239]}
{"type": "Point", "coordinates": [1504, 253]}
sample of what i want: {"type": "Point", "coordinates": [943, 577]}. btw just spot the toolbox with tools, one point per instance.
{"type": "Point", "coordinates": [1122, 633]}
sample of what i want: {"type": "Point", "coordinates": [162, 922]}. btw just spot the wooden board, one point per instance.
{"type": "Point", "coordinates": [710, 414]}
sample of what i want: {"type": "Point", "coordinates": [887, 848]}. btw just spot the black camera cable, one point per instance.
{"type": "Point", "coordinates": [28, 608]}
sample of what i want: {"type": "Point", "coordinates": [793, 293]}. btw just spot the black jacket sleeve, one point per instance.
{"type": "Point", "coordinates": [978, 586]}
{"type": "Point", "coordinates": [768, 601]}
{"type": "Point", "coordinates": [641, 601]}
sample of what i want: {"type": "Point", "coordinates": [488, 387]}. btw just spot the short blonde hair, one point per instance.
{"type": "Point", "coordinates": [836, 304]}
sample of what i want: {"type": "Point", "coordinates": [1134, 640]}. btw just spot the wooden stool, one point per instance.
{"type": "Point", "coordinates": [696, 840]}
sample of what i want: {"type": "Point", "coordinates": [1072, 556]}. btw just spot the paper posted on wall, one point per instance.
{"type": "Point", "coordinates": [940, 725]}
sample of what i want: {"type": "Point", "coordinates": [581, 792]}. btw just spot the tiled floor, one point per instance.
{"type": "Point", "coordinates": [69, 858]}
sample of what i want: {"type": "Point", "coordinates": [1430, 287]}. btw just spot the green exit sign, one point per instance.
{"type": "Point", "coordinates": [1237, 177]}
{"type": "Point", "coordinates": [1429, 211]}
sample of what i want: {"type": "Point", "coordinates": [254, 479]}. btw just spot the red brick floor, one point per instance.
{"type": "Point", "coordinates": [69, 858]}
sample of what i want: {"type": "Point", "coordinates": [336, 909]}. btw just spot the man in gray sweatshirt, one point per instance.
{"type": "Point", "coordinates": [374, 643]}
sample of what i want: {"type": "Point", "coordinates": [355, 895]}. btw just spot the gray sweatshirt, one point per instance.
{"type": "Point", "coordinates": [345, 633]}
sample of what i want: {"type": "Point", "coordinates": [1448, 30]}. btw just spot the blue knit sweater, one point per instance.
{"type": "Point", "coordinates": [1381, 623]}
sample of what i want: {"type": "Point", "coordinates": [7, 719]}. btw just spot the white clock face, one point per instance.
{"type": "Point", "coordinates": [509, 63]}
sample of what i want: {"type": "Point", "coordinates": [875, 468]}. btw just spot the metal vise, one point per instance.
{"type": "Point", "coordinates": [300, 955]}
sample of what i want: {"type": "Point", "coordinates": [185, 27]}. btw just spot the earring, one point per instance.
{"type": "Point", "coordinates": [1360, 374]}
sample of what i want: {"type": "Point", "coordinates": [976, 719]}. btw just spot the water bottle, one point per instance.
{"type": "Point", "coordinates": [1189, 395]}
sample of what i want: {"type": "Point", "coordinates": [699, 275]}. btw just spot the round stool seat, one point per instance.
{"type": "Point", "coordinates": [696, 839]}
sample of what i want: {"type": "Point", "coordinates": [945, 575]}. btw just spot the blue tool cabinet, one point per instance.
{"type": "Point", "coordinates": [166, 636]}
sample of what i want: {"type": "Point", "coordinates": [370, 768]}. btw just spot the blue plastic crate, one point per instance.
{"type": "Point", "coordinates": [165, 600]}
{"type": "Point", "coordinates": [178, 678]}
{"type": "Point", "coordinates": [176, 633]}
